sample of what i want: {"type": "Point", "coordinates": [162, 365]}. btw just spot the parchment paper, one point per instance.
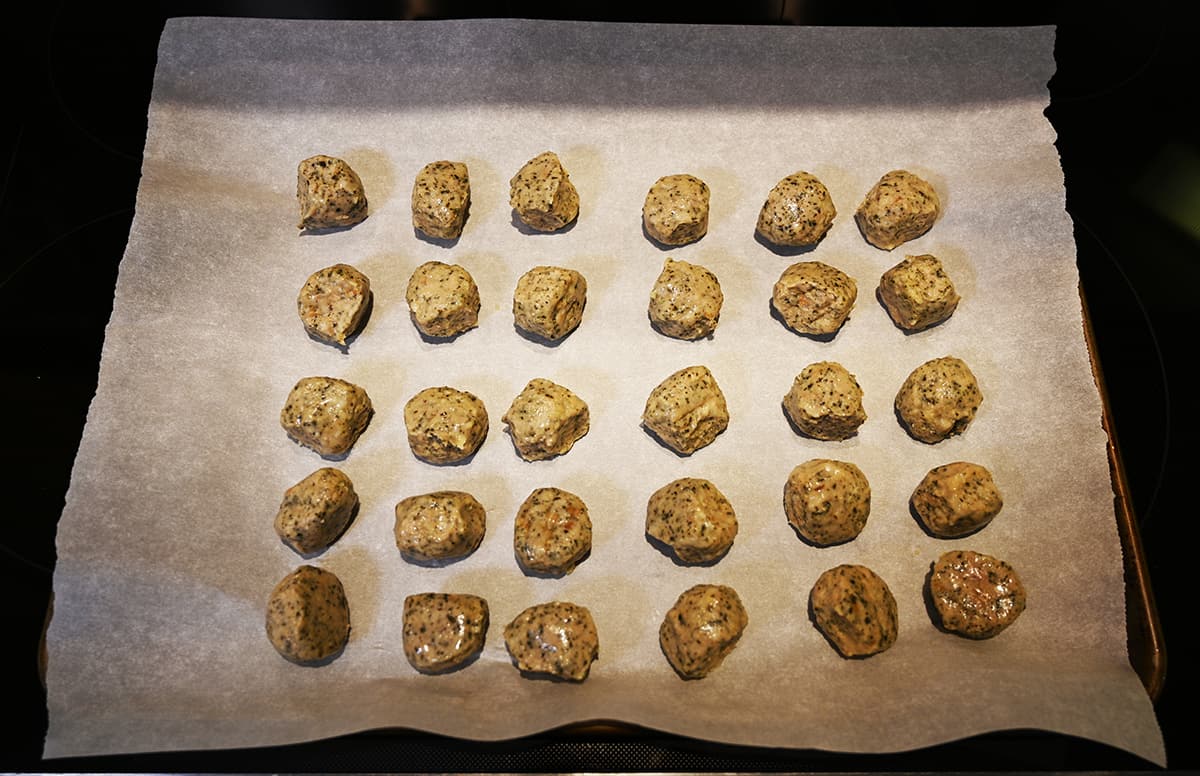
{"type": "Point", "coordinates": [166, 547]}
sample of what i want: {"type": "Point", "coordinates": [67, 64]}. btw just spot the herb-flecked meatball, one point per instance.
{"type": "Point", "coordinates": [687, 410]}
{"type": "Point", "coordinates": [552, 532]}
{"type": "Point", "coordinates": [686, 301]}
{"type": "Point", "coordinates": [548, 301]}
{"type": "Point", "coordinates": [542, 195]}
{"type": "Point", "coordinates": [443, 631]}
{"type": "Point", "coordinates": [546, 420]}
{"type": "Point", "coordinates": [316, 510]}
{"type": "Point", "coordinates": [444, 525]}
{"type": "Point", "coordinates": [445, 425]}
{"type": "Point", "coordinates": [441, 196]}
{"type": "Point", "coordinates": [901, 206]}
{"type": "Point", "coordinates": [918, 293]}
{"type": "Point", "coordinates": [308, 617]}
{"type": "Point", "coordinates": [330, 193]}
{"type": "Point", "coordinates": [814, 298]}
{"type": "Point", "coordinates": [326, 414]}
{"type": "Point", "coordinates": [443, 299]}
{"type": "Point", "coordinates": [333, 303]}
{"type": "Point", "coordinates": [676, 209]}
{"type": "Point", "coordinates": [855, 610]}
{"type": "Point", "coordinates": [956, 499]}
{"type": "Point", "coordinates": [827, 501]}
{"type": "Point", "coordinates": [702, 629]}
{"type": "Point", "coordinates": [938, 399]}
{"type": "Point", "coordinates": [798, 211]}
{"type": "Point", "coordinates": [825, 401]}
{"type": "Point", "coordinates": [975, 595]}
{"type": "Point", "coordinates": [557, 638]}
{"type": "Point", "coordinates": [692, 517]}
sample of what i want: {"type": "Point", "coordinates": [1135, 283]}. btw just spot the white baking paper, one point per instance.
{"type": "Point", "coordinates": [167, 552]}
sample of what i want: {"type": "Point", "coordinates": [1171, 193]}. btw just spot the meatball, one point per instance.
{"type": "Point", "coordinates": [330, 193]}
{"type": "Point", "coordinates": [542, 195]}
{"type": "Point", "coordinates": [693, 518]}
{"type": "Point", "coordinates": [443, 631]}
{"type": "Point", "coordinates": [437, 527]}
{"type": "Point", "coordinates": [855, 610]}
{"type": "Point", "coordinates": [975, 595]}
{"type": "Point", "coordinates": [825, 401]}
{"type": "Point", "coordinates": [917, 293]}
{"type": "Point", "coordinates": [546, 420]}
{"type": "Point", "coordinates": [687, 410]}
{"type": "Point", "coordinates": [814, 298]}
{"type": "Point", "coordinates": [326, 414]}
{"type": "Point", "coordinates": [798, 211]}
{"type": "Point", "coordinates": [558, 639]}
{"type": "Point", "coordinates": [441, 196]}
{"type": "Point", "coordinates": [445, 425]}
{"type": "Point", "coordinates": [898, 208]}
{"type": "Point", "coordinates": [548, 302]}
{"type": "Point", "coordinates": [702, 628]}
{"type": "Point", "coordinates": [956, 499]}
{"type": "Point", "coordinates": [443, 299]}
{"type": "Point", "coordinates": [316, 510]}
{"type": "Point", "coordinates": [308, 617]}
{"type": "Point", "coordinates": [938, 400]}
{"type": "Point", "coordinates": [686, 300]}
{"type": "Point", "coordinates": [552, 532]}
{"type": "Point", "coordinates": [333, 302]}
{"type": "Point", "coordinates": [827, 501]}
{"type": "Point", "coordinates": [676, 209]}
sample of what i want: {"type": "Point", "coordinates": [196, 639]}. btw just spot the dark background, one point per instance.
{"type": "Point", "coordinates": [77, 87]}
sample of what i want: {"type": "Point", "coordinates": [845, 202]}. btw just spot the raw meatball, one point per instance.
{"type": "Point", "coordinates": [855, 609]}
{"type": "Point", "coordinates": [316, 510]}
{"type": "Point", "coordinates": [333, 301]}
{"type": "Point", "coordinates": [546, 420]}
{"type": "Point", "coordinates": [975, 595]}
{"type": "Point", "coordinates": [702, 628]}
{"type": "Point", "coordinates": [939, 399]}
{"type": "Point", "coordinates": [687, 410]}
{"type": "Point", "coordinates": [826, 501]}
{"type": "Point", "coordinates": [441, 196]}
{"type": "Point", "coordinates": [441, 526]}
{"type": "Point", "coordinates": [814, 298]}
{"type": "Point", "coordinates": [693, 518]}
{"type": "Point", "coordinates": [898, 208]}
{"type": "Point", "coordinates": [443, 299]}
{"type": "Point", "coordinates": [445, 425]}
{"type": "Point", "coordinates": [548, 301]}
{"type": "Point", "coordinates": [330, 193]}
{"type": "Point", "coordinates": [326, 414]}
{"type": "Point", "coordinates": [542, 194]}
{"type": "Point", "coordinates": [558, 638]}
{"type": "Point", "coordinates": [308, 617]}
{"type": "Point", "coordinates": [686, 300]}
{"type": "Point", "coordinates": [825, 401]}
{"type": "Point", "coordinates": [676, 209]}
{"type": "Point", "coordinates": [798, 211]}
{"type": "Point", "coordinates": [443, 631]}
{"type": "Point", "coordinates": [552, 533]}
{"type": "Point", "coordinates": [917, 292]}
{"type": "Point", "coordinates": [956, 499]}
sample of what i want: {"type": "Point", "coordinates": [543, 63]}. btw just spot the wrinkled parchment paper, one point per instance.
{"type": "Point", "coordinates": [166, 548]}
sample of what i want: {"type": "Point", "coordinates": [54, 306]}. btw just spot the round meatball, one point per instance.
{"type": "Point", "coordinates": [693, 518]}
{"type": "Point", "coordinates": [825, 402]}
{"type": "Point", "coordinates": [441, 526]}
{"type": "Point", "coordinates": [798, 211]}
{"type": "Point", "coordinates": [308, 617]}
{"type": "Point", "coordinates": [445, 425]}
{"type": "Point", "coordinates": [827, 501]}
{"type": "Point", "coordinates": [938, 400]}
{"type": "Point", "coordinates": [441, 196]}
{"type": "Point", "coordinates": [333, 303]}
{"type": "Point", "coordinates": [552, 533]}
{"type": "Point", "coordinates": [956, 499]}
{"type": "Point", "coordinates": [548, 302]}
{"type": "Point", "coordinates": [898, 208]}
{"type": "Point", "coordinates": [443, 631]}
{"type": "Point", "coordinates": [542, 195]}
{"type": "Point", "coordinates": [917, 293]}
{"type": "Point", "coordinates": [814, 298]}
{"type": "Point", "coordinates": [546, 420]}
{"type": "Point", "coordinates": [687, 410]}
{"type": "Point", "coordinates": [316, 510]}
{"type": "Point", "coordinates": [702, 629]}
{"type": "Point", "coordinates": [676, 209]}
{"type": "Point", "coordinates": [975, 595]}
{"type": "Point", "coordinates": [326, 414]}
{"type": "Point", "coordinates": [855, 610]}
{"type": "Point", "coordinates": [443, 299]}
{"type": "Point", "coordinates": [558, 639]}
{"type": "Point", "coordinates": [686, 301]}
{"type": "Point", "coordinates": [330, 193]}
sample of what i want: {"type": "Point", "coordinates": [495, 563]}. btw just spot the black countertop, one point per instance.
{"type": "Point", "coordinates": [73, 141]}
